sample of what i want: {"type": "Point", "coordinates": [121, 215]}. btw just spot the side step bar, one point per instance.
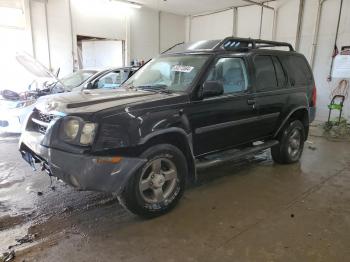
{"type": "Point", "coordinates": [202, 164]}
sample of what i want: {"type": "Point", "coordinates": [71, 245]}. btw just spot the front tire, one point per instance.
{"type": "Point", "coordinates": [158, 185]}
{"type": "Point", "coordinates": [291, 145]}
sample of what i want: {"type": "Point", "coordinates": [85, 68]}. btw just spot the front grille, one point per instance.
{"type": "Point", "coordinates": [41, 121]}
{"type": "Point", "coordinates": [47, 118]}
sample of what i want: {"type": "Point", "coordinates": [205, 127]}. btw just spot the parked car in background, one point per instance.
{"type": "Point", "coordinates": [111, 78]}
{"type": "Point", "coordinates": [13, 113]}
{"type": "Point", "coordinates": [72, 81]}
{"type": "Point", "coordinates": [14, 109]}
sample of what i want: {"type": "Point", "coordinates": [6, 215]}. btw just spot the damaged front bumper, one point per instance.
{"type": "Point", "coordinates": [85, 172]}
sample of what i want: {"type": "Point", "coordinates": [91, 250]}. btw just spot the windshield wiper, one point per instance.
{"type": "Point", "coordinates": [156, 88]}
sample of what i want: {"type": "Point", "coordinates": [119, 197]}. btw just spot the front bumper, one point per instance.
{"type": "Point", "coordinates": [12, 120]}
{"type": "Point", "coordinates": [82, 171]}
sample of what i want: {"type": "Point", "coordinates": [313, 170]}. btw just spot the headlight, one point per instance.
{"type": "Point", "coordinates": [71, 128]}
{"type": "Point", "coordinates": [77, 131]}
{"type": "Point", "coordinates": [87, 133]}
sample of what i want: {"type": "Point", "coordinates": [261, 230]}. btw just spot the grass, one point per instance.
{"type": "Point", "coordinates": [335, 129]}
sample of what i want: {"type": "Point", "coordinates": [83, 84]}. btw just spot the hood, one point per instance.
{"type": "Point", "coordinates": [33, 66]}
{"type": "Point", "coordinates": [90, 101]}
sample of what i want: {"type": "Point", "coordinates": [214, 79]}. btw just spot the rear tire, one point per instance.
{"type": "Point", "coordinates": [291, 143]}
{"type": "Point", "coordinates": [158, 185]}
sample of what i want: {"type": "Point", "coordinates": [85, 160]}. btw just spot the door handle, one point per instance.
{"type": "Point", "coordinates": [251, 102]}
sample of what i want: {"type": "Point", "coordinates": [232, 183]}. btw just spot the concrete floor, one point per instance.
{"type": "Point", "coordinates": [252, 210]}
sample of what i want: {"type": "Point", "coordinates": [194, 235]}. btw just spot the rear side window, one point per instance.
{"type": "Point", "coordinates": [265, 73]}
{"type": "Point", "coordinates": [298, 70]}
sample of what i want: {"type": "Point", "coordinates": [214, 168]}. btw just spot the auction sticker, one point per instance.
{"type": "Point", "coordinates": [182, 68]}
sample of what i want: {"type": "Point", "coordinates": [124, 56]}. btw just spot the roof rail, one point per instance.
{"type": "Point", "coordinates": [236, 43]}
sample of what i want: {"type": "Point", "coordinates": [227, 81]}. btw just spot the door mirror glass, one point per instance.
{"type": "Point", "coordinates": [212, 88]}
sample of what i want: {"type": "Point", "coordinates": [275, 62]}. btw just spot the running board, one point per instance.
{"type": "Point", "coordinates": [222, 158]}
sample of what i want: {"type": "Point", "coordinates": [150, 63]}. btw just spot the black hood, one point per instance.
{"type": "Point", "coordinates": [90, 101]}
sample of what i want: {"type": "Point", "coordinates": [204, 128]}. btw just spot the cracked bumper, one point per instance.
{"type": "Point", "coordinates": [86, 172]}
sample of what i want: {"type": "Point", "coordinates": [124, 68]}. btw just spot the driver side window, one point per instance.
{"type": "Point", "coordinates": [231, 72]}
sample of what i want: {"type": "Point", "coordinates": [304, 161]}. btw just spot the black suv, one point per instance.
{"type": "Point", "coordinates": [174, 116]}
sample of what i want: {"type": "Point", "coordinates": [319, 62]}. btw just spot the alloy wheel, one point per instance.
{"type": "Point", "coordinates": [158, 180]}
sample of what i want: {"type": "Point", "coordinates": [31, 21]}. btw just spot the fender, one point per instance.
{"type": "Point", "coordinates": [287, 118]}
{"type": "Point", "coordinates": [189, 139]}
{"type": "Point", "coordinates": [187, 136]}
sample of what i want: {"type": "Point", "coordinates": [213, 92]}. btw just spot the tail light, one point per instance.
{"type": "Point", "coordinates": [313, 97]}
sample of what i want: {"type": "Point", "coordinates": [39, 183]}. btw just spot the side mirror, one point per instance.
{"type": "Point", "coordinates": [212, 88]}
{"type": "Point", "coordinates": [89, 85]}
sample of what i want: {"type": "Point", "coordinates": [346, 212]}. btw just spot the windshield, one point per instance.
{"type": "Point", "coordinates": [171, 73]}
{"type": "Point", "coordinates": [76, 79]}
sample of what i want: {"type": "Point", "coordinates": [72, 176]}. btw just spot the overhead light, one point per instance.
{"type": "Point", "coordinates": [127, 4]}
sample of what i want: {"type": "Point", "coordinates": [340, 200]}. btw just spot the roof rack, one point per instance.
{"type": "Point", "coordinates": [172, 47]}
{"type": "Point", "coordinates": [236, 43]}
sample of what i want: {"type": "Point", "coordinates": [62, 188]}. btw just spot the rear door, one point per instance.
{"type": "Point", "coordinates": [271, 92]}
{"type": "Point", "coordinates": [226, 120]}
{"type": "Point", "coordinates": [301, 81]}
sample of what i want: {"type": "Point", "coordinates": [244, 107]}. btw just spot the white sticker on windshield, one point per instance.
{"type": "Point", "coordinates": [182, 68]}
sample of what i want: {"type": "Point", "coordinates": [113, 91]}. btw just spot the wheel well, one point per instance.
{"type": "Point", "coordinates": [303, 116]}
{"type": "Point", "coordinates": [181, 142]}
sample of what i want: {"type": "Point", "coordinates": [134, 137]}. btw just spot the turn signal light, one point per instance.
{"type": "Point", "coordinates": [109, 160]}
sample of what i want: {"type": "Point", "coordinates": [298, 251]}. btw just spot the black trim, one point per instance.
{"type": "Point", "coordinates": [235, 155]}
{"type": "Point", "coordinates": [210, 128]}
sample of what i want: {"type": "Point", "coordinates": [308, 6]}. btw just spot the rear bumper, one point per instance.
{"type": "Point", "coordinates": [82, 171]}
{"type": "Point", "coordinates": [312, 114]}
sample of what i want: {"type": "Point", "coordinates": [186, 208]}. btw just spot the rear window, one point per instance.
{"type": "Point", "coordinates": [298, 70]}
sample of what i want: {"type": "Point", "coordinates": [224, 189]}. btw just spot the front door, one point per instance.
{"type": "Point", "coordinates": [226, 120]}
